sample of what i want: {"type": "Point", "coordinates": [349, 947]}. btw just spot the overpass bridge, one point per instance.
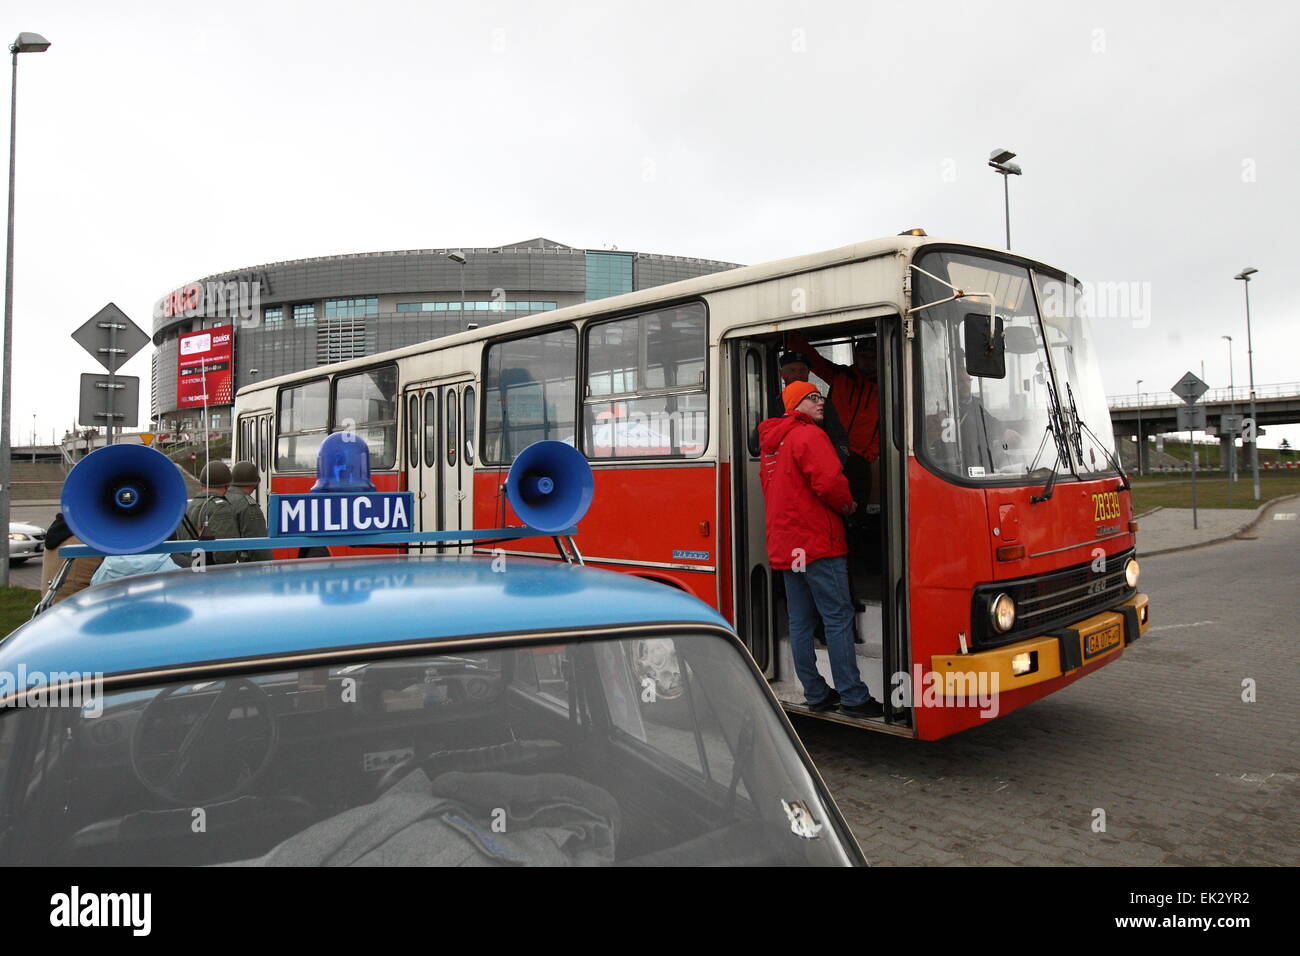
{"type": "Point", "coordinates": [1277, 404]}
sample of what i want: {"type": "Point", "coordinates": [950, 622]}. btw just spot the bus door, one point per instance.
{"type": "Point", "coordinates": [456, 460]}
{"type": "Point", "coordinates": [438, 460]}
{"type": "Point", "coordinates": [254, 433]}
{"type": "Point", "coordinates": [752, 382]}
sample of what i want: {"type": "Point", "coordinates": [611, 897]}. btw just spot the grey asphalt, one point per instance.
{"type": "Point", "coordinates": [1161, 740]}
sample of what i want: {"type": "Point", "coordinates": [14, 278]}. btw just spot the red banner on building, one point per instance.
{"type": "Point", "coordinates": [204, 368]}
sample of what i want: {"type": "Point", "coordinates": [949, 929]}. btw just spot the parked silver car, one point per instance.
{"type": "Point", "coordinates": [25, 541]}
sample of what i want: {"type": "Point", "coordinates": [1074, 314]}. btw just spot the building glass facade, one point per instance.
{"type": "Point", "coordinates": [608, 273]}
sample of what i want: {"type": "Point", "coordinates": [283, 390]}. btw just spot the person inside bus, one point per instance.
{"type": "Point", "coordinates": [855, 396]}
{"type": "Point", "coordinates": [806, 497]}
{"type": "Point", "coordinates": [795, 366]}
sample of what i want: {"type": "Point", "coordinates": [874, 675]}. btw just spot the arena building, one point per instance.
{"type": "Point", "coordinates": [288, 316]}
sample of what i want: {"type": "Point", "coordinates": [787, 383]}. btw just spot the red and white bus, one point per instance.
{"type": "Point", "coordinates": [1001, 565]}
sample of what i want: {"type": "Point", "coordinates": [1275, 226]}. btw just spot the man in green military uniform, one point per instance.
{"type": "Point", "coordinates": [248, 514]}
{"type": "Point", "coordinates": [210, 515]}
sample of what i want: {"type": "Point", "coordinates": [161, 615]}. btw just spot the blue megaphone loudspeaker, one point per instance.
{"type": "Point", "coordinates": [550, 486]}
{"type": "Point", "coordinates": [124, 499]}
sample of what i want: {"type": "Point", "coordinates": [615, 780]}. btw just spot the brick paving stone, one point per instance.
{"type": "Point", "coordinates": [1187, 773]}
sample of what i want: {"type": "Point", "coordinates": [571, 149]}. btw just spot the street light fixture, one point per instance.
{"type": "Point", "coordinates": [458, 257]}
{"type": "Point", "coordinates": [1000, 159]}
{"type": "Point", "coordinates": [1232, 410]}
{"type": "Point", "coordinates": [1244, 276]}
{"type": "Point", "coordinates": [1139, 445]}
{"type": "Point", "coordinates": [26, 43]}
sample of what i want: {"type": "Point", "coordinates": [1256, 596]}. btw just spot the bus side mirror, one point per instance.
{"type": "Point", "coordinates": [985, 346]}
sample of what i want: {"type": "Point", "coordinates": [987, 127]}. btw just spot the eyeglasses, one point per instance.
{"type": "Point", "coordinates": [814, 397]}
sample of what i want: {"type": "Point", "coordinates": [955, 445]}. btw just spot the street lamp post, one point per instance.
{"type": "Point", "coordinates": [458, 257]}
{"type": "Point", "coordinates": [1000, 159]}
{"type": "Point", "coordinates": [1244, 276]}
{"type": "Point", "coordinates": [1232, 410]}
{"type": "Point", "coordinates": [1139, 444]}
{"type": "Point", "coordinates": [26, 43]}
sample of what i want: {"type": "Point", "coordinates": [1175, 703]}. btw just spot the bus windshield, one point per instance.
{"type": "Point", "coordinates": [985, 428]}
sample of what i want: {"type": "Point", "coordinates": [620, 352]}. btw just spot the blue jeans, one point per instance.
{"type": "Point", "coordinates": [823, 588]}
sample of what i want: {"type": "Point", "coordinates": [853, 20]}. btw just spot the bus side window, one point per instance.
{"type": "Point", "coordinates": [530, 390]}
{"type": "Point", "coordinates": [452, 437]}
{"type": "Point", "coordinates": [369, 401]}
{"type": "Point", "coordinates": [304, 420]}
{"type": "Point", "coordinates": [646, 394]}
{"type": "Point", "coordinates": [468, 424]}
{"type": "Point", "coordinates": [430, 428]}
{"type": "Point", "coordinates": [412, 430]}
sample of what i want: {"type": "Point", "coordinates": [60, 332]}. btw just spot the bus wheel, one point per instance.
{"type": "Point", "coordinates": [313, 552]}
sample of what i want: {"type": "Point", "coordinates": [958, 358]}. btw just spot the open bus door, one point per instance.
{"type": "Point", "coordinates": [877, 555]}
{"type": "Point", "coordinates": [751, 386]}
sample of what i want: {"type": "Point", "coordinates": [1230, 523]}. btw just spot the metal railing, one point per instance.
{"type": "Point", "coordinates": [1215, 396]}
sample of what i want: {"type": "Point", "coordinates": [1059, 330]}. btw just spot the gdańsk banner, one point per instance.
{"type": "Point", "coordinates": [205, 368]}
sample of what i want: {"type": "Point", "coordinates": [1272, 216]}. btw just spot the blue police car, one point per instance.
{"type": "Point", "coordinates": [405, 710]}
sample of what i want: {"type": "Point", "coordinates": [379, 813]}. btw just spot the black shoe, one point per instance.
{"type": "Point", "coordinates": [830, 703]}
{"type": "Point", "coordinates": [869, 708]}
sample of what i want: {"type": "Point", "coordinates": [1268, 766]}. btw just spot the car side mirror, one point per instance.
{"type": "Point", "coordinates": [985, 345]}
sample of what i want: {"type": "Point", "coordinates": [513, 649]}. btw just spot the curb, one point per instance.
{"type": "Point", "coordinates": [1248, 526]}
{"type": "Point", "coordinates": [1149, 511]}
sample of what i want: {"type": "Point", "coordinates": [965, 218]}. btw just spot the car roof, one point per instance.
{"type": "Point", "coordinates": [174, 618]}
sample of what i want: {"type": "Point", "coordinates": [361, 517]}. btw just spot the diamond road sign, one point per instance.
{"type": "Point", "coordinates": [1189, 388]}
{"type": "Point", "coordinates": [110, 337]}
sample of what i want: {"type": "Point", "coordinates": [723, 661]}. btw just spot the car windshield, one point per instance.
{"type": "Point", "coordinates": [998, 428]}
{"type": "Point", "coordinates": [650, 750]}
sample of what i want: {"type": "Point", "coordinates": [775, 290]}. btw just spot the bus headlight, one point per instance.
{"type": "Point", "coordinates": [1132, 572]}
{"type": "Point", "coordinates": [1002, 613]}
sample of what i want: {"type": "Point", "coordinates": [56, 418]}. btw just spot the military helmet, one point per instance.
{"type": "Point", "coordinates": [244, 473]}
{"type": "Point", "coordinates": [215, 474]}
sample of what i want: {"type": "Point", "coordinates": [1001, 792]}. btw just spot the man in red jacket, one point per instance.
{"type": "Point", "coordinates": [806, 496]}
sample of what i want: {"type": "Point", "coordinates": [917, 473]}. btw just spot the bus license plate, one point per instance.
{"type": "Point", "coordinates": [1099, 642]}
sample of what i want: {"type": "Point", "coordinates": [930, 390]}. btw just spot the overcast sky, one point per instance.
{"type": "Point", "coordinates": [162, 141]}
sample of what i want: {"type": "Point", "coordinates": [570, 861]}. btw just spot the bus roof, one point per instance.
{"type": "Point", "coordinates": [248, 611]}
{"type": "Point", "coordinates": [685, 289]}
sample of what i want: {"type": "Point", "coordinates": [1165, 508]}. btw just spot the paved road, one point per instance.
{"type": "Point", "coordinates": [1161, 740]}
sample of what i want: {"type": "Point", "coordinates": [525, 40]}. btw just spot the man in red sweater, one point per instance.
{"type": "Point", "coordinates": [806, 497]}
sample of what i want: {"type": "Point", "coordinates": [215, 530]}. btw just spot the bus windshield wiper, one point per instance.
{"type": "Point", "coordinates": [1056, 425]}
{"type": "Point", "coordinates": [1082, 426]}
{"type": "Point", "coordinates": [1076, 423]}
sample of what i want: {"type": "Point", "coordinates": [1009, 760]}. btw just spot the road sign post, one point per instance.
{"type": "Point", "coordinates": [112, 339]}
{"type": "Point", "coordinates": [1192, 417]}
